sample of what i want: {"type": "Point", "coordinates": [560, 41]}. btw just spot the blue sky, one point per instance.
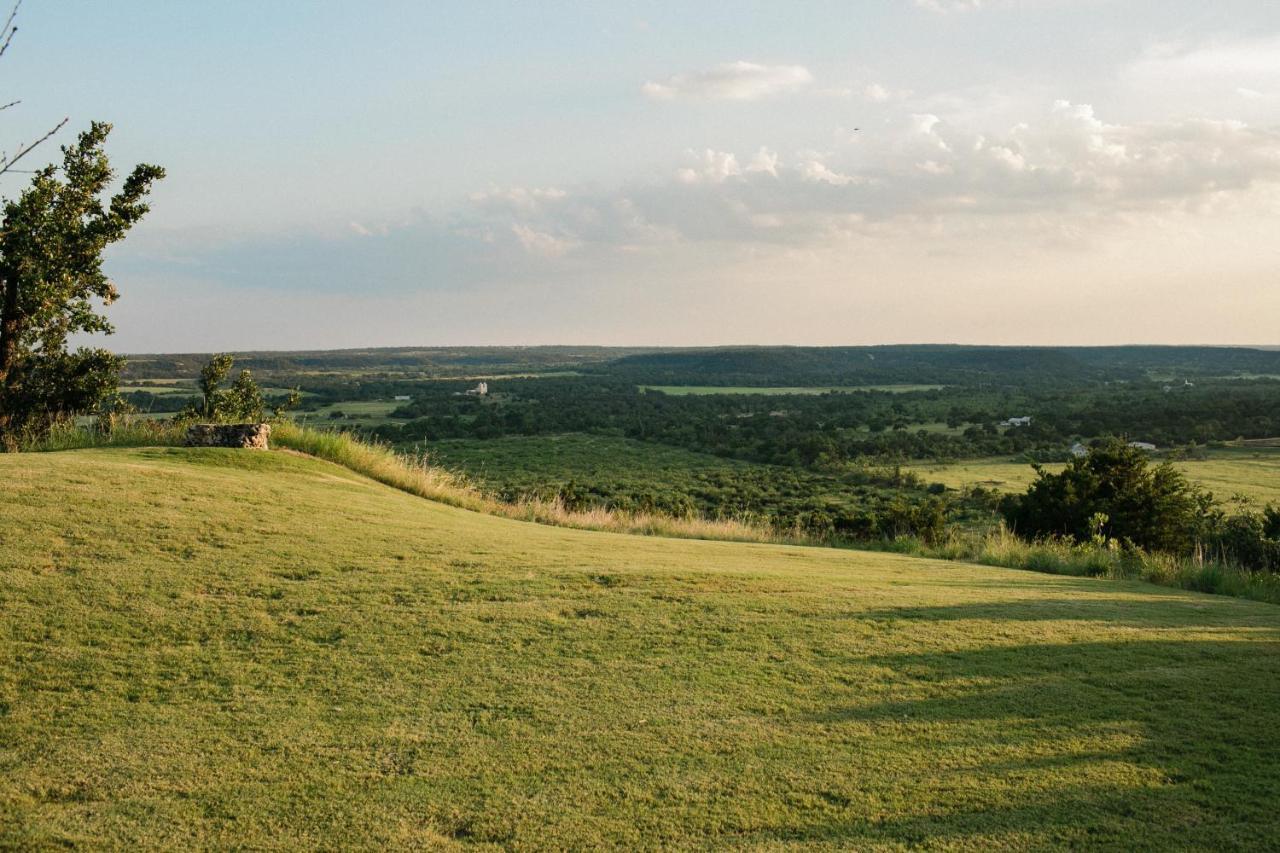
{"type": "Point", "coordinates": [1000, 171]}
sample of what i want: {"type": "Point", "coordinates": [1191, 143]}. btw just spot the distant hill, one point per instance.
{"type": "Point", "coordinates": [214, 649]}
{"type": "Point", "coordinates": [746, 366]}
{"type": "Point", "coordinates": [432, 361]}
{"type": "Point", "coordinates": [956, 365]}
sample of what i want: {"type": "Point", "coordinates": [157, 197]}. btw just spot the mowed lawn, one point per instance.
{"type": "Point", "coordinates": [1253, 473]}
{"type": "Point", "coordinates": [204, 648]}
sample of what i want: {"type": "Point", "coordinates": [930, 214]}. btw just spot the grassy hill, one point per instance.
{"type": "Point", "coordinates": [215, 648]}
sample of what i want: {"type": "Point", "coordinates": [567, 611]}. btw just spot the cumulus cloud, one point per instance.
{"type": "Point", "coordinates": [916, 174]}
{"type": "Point", "coordinates": [715, 167]}
{"type": "Point", "coordinates": [816, 171]}
{"type": "Point", "coordinates": [765, 161]}
{"type": "Point", "coordinates": [1065, 162]}
{"type": "Point", "coordinates": [541, 243]}
{"type": "Point", "coordinates": [732, 81]}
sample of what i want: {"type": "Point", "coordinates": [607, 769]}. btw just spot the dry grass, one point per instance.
{"type": "Point", "coordinates": [1199, 573]}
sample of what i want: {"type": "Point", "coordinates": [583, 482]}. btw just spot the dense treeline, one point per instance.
{"type": "Point", "coordinates": [974, 366]}
{"type": "Point", "coordinates": [387, 363]}
{"type": "Point", "coordinates": [594, 471]}
{"type": "Point", "coordinates": [827, 429]}
{"type": "Point", "coordinates": [951, 365]}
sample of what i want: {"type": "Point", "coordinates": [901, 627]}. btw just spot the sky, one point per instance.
{"type": "Point", "coordinates": [394, 173]}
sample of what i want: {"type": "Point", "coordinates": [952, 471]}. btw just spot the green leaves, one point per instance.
{"type": "Point", "coordinates": [51, 242]}
{"type": "Point", "coordinates": [243, 402]}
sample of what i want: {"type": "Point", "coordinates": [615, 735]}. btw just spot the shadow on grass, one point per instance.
{"type": "Point", "coordinates": [1140, 611]}
{"type": "Point", "coordinates": [1195, 762]}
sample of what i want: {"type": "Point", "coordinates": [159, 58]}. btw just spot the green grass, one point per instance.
{"type": "Point", "coordinates": [206, 648]}
{"type": "Point", "coordinates": [1253, 472]}
{"type": "Point", "coordinates": [685, 390]}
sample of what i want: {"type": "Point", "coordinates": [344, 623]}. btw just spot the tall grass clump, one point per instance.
{"type": "Point", "coordinates": [130, 432]}
{"type": "Point", "coordinates": [382, 463]}
{"type": "Point", "coordinates": [1100, 558]}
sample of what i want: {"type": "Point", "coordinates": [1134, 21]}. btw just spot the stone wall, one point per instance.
{"type": "Point", "coordinates": [253, 436]}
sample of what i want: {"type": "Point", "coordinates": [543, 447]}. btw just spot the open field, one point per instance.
{"type": "Point", "coordinates": [161, 388]}
{"type": "Point", "coordinates": [1253, 472]}
{"type": "Point", "coordinates": [682, 390]}
{"type": "Point", "coordinates": [190, 659]}
{"type": "Point", "coordinates": [366, 413]}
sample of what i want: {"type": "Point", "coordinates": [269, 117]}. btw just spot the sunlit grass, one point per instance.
{"type": "Point", "coordinates": [228, 649]}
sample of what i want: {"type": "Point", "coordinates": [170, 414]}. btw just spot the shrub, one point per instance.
{"type": "Point", "coordinates": [1115, 493]}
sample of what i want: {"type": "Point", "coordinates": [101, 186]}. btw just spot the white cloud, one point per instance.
{"type": "Point", "coordinates": [945, 6]}
{"type": "Point", "coordinates": [815, 171]}
{"type": "Point", "coordinates": [765, 161]}
{"type": "Point", "coordinates": [733, 81]}
{"type": "Point", "coordinates": [876, 93]}
{"type": "Point", "coordinates": [1064, 165]}
{"type": "Point", "coordinates": [715, 167]}
{"type": "Point", "coordinates": [541, 243]}
{"type": "Point", "coordinates": [920, 185]}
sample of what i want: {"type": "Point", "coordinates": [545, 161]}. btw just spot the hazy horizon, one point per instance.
{"type": "Point", "coordinates": [1025, 172]}
{"type": "Point", "coordinates": [430, 346]}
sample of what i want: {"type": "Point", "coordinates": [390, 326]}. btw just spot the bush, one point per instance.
{"type": "Point", "coordinates": [1113, 493]}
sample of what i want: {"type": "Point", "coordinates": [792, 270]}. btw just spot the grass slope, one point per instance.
{"type": "Point", "coordinates": [217, 648]}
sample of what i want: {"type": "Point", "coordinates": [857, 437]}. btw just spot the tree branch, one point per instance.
{"type": "Point", "coordinates": [9, 29]}
{"type": "Point", "coordinates": [6, 163]}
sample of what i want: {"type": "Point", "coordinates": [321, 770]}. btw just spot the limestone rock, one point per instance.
{"type": "Point", "coordinates": [252, 436]}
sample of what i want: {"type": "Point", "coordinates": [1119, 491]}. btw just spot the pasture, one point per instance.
{"type": "Point", "coordinates": [364, 413]}
{"type": "Point", "coordinates": [1228, 472]}
{"type": "Point", "coordinates": [189, 659]}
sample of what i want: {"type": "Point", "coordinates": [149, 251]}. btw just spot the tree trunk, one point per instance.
{"type": "Point", "coordinates": [10, 330]}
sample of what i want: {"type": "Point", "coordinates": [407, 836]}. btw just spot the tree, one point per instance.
{"type": "Point", "coordinates": [51, 242]}
{"type": "Point", "coordinates": [240, 403]}
{"type": "Point", "coordinates": [1114, 492]}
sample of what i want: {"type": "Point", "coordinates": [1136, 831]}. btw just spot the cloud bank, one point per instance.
{"type": "Point", "coordinates": [733, 81]}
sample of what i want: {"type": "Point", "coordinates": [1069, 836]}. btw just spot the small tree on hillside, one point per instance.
{"type": "Point", "coordinates": [242, 402]}
{"type": "Point", "coordinates": [51, 244]}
